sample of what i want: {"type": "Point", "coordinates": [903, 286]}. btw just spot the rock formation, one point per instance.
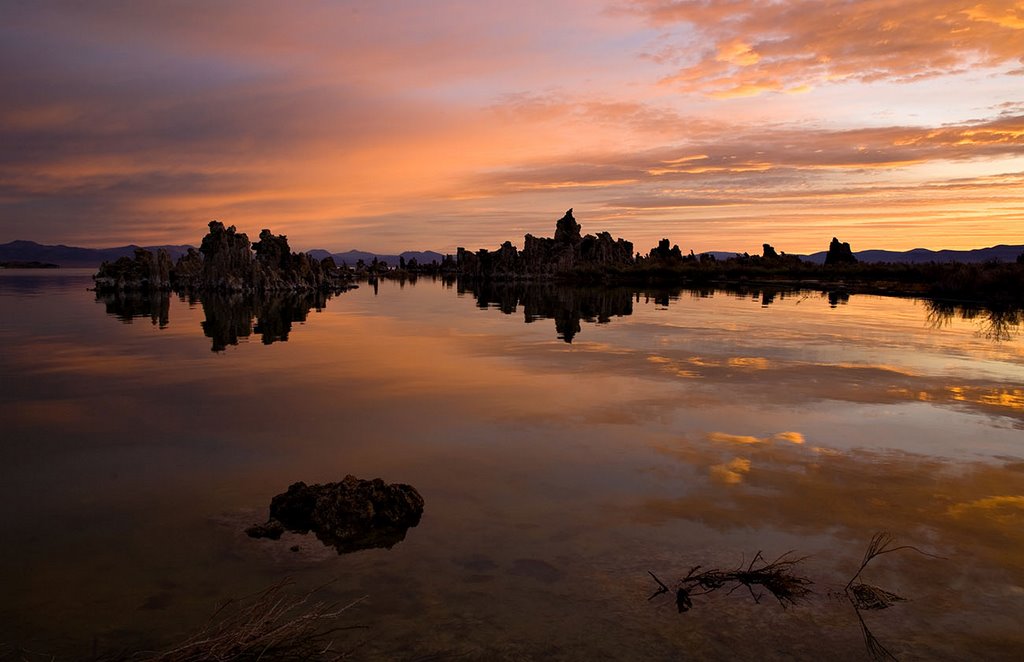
{"type": "Point", "coordinates": [350, 515]}
{"type": "Point", "coordinates": [567, 253]}
{"type": "Point", "coordinates": [567, 230]}
{"type": "Point", "coordinates": [662, 252]}
{"type": "Point", "coordinates": [839, 253]}
{"type": "Point", "coordinates": [145, 271]}
{"type": "Point", "coordinates": [225, 262]}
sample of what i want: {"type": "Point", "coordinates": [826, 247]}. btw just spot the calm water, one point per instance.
{"type": "Point", "coordinates": [672, 431]}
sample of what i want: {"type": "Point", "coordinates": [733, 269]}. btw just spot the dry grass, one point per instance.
{"type": "Point", "coordinates": [269, 624]}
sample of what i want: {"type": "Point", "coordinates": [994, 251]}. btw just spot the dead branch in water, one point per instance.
{"type": "Point", "coordinates": [776, 577]}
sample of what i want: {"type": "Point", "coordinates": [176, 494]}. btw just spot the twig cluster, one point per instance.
{"type": "Point", "coordinates": [776, 577]}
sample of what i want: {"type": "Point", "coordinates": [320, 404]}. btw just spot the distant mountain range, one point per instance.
{"type": "Point", "coordinates": [71, 256]}
{"type": "Point", "coordinates": [1001, 253]}
{"type": "Point", "coordinates": [352, 257]}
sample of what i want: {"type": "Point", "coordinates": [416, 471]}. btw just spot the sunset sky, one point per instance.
{"type": "Point", "coordinates": [412, 124]}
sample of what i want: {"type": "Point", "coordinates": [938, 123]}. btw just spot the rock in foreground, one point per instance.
{"type": "Point", "coordinates": [351, 515]}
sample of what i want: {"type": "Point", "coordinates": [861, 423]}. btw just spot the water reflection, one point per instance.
{"type": "Point", "coordinates": [229, 317]}
{"type": "Point", "coordinates": [660, 440]}
{"type": "Point", "coordinates": [569, 305]}
{"type": "Point", "coordinates": [995, 322]}
{"type": "Point", "coordinates": [131, 304]}
{"type": "Point", "coordinates": [786, 482]}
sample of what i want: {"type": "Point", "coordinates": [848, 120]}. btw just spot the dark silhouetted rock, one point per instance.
{"type": "Point", "coordinates": [145, 271]}
{"type": "Point", "coordinates": [225, 262]}
{"type": "Point", "coordinates": [662, 252]}
{"type": "Point", "coordinates": [839, 253]}
{"type": "Point", "coordinates": [350, 515]}
{"type": "Point", "coordinates": [565, 254]}
{"type": "Point", "coordinates": [188, 271]}
{"type": "Point", "coordinates": [227, 259]}
{"type": "Point", "coordinates": [567, 230]}
{"type": "Point", "coordinates": [272, 252]}
{"type": "Point", "coordinates": [768, 252]}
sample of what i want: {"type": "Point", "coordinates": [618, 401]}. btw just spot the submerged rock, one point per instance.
{"type": "Point", "coordinates": [272, 529]}
{"type": "Point", "coordinates": [350, 515]}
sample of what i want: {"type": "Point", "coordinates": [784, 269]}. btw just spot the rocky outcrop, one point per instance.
{"type": "Point", "coordinates": [226, 262]}
{"type": "Point", "coordinates": [350, 515]}
{"type": "Point", "coordinates": [839, 253]}
{"type": "Point", "coordinates": [567, 230]}
{"type": "Point", "coordinates": [146, 271]}
{"type": "Point", "coordinates": [565, 254]}
{"type": "Point", "coordinates": [188, 271]}
{"type": "Point", "coordinates": [663, 254]}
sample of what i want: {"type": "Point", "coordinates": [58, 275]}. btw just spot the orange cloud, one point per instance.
{"type": "Point", "coordinates": [795, 43]}
{"type": "Point", "coordinates": [731, 472]}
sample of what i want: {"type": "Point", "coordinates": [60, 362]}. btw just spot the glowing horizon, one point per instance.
{"type": "Point", "coordinates": [351, 125]}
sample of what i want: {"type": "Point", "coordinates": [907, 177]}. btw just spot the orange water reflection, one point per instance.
{"type": "Point", "coordinates": [555, 474]}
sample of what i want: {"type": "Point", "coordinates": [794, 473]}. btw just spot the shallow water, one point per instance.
{"type": "Point", "coordinates": [675, 429]}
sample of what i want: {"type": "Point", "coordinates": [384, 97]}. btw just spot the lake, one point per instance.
{"type": "Point", "coordinates": [566, 442]}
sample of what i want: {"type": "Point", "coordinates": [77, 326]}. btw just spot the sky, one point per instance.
{"type": "Point", "coordinates": [412, 125]}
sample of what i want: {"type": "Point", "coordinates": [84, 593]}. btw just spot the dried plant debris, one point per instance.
{"type": "Point", "coordinates": [776, 577]}
{"type": "Point", "coordinates": [270, 624]}
{"type": "Point", "coordinates": [866, 596]}
{"type": "Point", "coordinates": [781, 579]}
